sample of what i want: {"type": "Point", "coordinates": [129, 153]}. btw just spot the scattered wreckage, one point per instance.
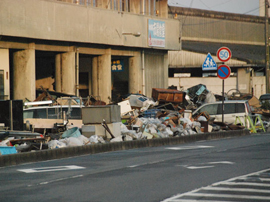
{"type": "Point", "coordinates": [73, 121]}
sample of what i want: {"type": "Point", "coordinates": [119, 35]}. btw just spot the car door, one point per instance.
{"type": "Point", "coordinates": [231, 111]}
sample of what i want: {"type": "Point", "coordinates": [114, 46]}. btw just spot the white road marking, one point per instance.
{"type": "Point", "coordinates": [189, 200]}
{"type": "Point", "coordinates": [236, 189]}
{"type": "Point", "coordinates": [143, 164]}
{"type": "Point", "coordinates": [134, 166]}
{"type": "Point", "coordinates": [57, 180]}
{"type": "Point", "coordinates": [231, 182]}
{"type": "Point", "coordinates": [247, 183]}
{"type": "Point", "coordinates": [229, 196]}
{"type": "Point", "coordinates": [189, 147]}
{"type": "Point", "coordinates": [257, 178]}
{"type": "Point", "coordinates": [199, 167]}
{"type": "Point", "coordinates": [50, 169]}
{"type": "Point", "coordinates": [221, 162]}
{"type": "Point", "coordinates": [206, 165]}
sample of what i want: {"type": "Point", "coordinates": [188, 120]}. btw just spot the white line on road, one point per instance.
{"type": "Point", "coordinates": [189, 147]}
{"type": "Point", "coordinates": [229, 196]}
{"type": "Point", "coordinates": [198, 167]}
{"type": "Point", "coordinates": [144, 164]}
{"type": "Point", "coordinates": [57, 180]}
{"type": "Point", "coordinates": [246, 183]}
{"type": "Point", "coordinates": [50, 169]}
{"type": "Point", "coordinates": [236, 189]}
{"type": "Point", "coordinates": [262, 179]}
{"type": "Point", "coordinates": [221, 162]}
{"type": "Point", "coordinates": [190, 200]}
{"type": "Point", "coordinates": [206, 165]}
{"type": "Point", "coordinates": [133, 166]}
{"type": "Point", "coordinates": [177, 198]}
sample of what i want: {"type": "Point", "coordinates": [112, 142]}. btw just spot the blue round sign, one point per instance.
{"type": "Point", "coordinates": [223, 71]}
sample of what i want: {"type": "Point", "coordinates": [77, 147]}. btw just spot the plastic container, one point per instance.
{"type": "Point", "coordinates": [7, 150]}
{"type": "Point", "coordinates": [73, 132]}
{"type": "Point", "coordinates": [150, 113]}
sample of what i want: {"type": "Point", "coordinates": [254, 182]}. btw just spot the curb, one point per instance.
{"type": "Point", "coordinates": [50, 154]}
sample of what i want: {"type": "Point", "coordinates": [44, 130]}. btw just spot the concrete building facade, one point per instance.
{"type": "Point", "coordinates": [90, 47]}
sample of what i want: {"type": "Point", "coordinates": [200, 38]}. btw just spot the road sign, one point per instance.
{"type": "Point", "coordinates": [223, 71]}
{"type": "Point", "coordinates": [224, 54]}
{"type": "Point", "coordinates": [209, 63]}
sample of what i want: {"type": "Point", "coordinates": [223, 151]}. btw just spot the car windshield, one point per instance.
{"type": "Point", "coordinates": [265, 97]}
{"type": "Point", "coordinates": [52, 113]}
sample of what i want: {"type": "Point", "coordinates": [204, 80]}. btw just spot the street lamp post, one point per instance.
{"type": "Point", "coordinates": [266, 47]}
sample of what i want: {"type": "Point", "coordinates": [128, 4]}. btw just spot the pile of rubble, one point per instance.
{"type": "Point", "coordinates": [148, 128]}
{"type": "Point", "coordinates": [167, 114]}
{"type": "Point", "coordinates": [164, 115]}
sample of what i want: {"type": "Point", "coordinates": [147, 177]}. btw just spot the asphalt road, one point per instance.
{"type": "Point", "coordinates": [168, 173]}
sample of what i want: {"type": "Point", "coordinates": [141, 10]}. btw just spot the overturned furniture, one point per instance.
{"type": "Point", "coordinates": [169, 96]}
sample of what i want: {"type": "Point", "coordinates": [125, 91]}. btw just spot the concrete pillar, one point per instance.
{"type": "Point", "coordinates": [105, 77]}
{"type": "Point", "coordinates": [163, 8]}
{"type": "Point", "coordinates": [24, 76]}
{"type": "Point", "coordinates": [166, 71]}
{"type": "Point", "coordinates": [135, 7]}
{"type": "Point", "coordinates": [58, 73]}
{"type": "Point", "coordinates": [243, 80]}
{"type": "Point", "coordinates": [4, 58]}
{"type": "Point", "coordinates": [135, 74]}
{"type": "Point", "coordinates": [95, 76]}
{"type": "Point", "coordinates": [68, 73]}
{"type": "Point", "coordinates": [65, 74]}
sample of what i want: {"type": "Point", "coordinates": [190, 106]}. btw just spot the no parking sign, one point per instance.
{"type": "Point", "coordinates": [223, 71]}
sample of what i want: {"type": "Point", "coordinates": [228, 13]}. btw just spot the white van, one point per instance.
{"type": "Point", "coordinates": [45, 117]}
{"type": "Point", "coordinates": [232, 109]}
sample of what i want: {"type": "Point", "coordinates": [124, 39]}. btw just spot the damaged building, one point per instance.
{"type": "Point", "coordinates": [85, 47]}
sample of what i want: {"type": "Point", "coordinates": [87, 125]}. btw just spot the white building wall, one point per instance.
{"type": "Point", "coordinates": [213, 84]}
{"type": "Point", "coordinates": [258, 85]}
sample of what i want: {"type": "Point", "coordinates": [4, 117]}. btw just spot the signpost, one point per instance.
{"type": "Point", "coordinates": [224, 54]}
{"type": "Point", "coordinates": [223, 72]}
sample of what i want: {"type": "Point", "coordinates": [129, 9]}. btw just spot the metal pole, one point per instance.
{"type": "Point", "coordinates": [266, 47]}
{"type": "Point", "coordinates": [11, 114]}
{"type": "Point", "coordinates": [77, 72]}
{"type": "Point", "coordinates": [143, 73]}
{"type": "Point", "coordinates": [222, 100]}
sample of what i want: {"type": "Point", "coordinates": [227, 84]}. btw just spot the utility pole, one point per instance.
{"type": "Point", "coordinates": [266, 47]}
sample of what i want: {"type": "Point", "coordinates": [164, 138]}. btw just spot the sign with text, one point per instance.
{"type": "Point", "coordinates": [117, 65]}
{"type": "Point", "coordinates": [224, 54]}
{"type": "Point", "coordinates": [156, 33]}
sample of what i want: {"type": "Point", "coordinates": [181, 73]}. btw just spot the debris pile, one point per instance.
{"type": "Point", "coordinates": [168, 113]}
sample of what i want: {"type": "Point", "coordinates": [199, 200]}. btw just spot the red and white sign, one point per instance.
{"type": "Point", "coordinates": [223, 71]}
{"type": "Point", "coordinates": [224, 54]}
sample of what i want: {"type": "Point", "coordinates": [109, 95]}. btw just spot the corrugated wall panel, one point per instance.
{"type": "Point", "coordinates": [155, 72]}
{"type": "Point", "coordinates": [222, 30]}
{"type": "Point", "coordinates": [187, 58]}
